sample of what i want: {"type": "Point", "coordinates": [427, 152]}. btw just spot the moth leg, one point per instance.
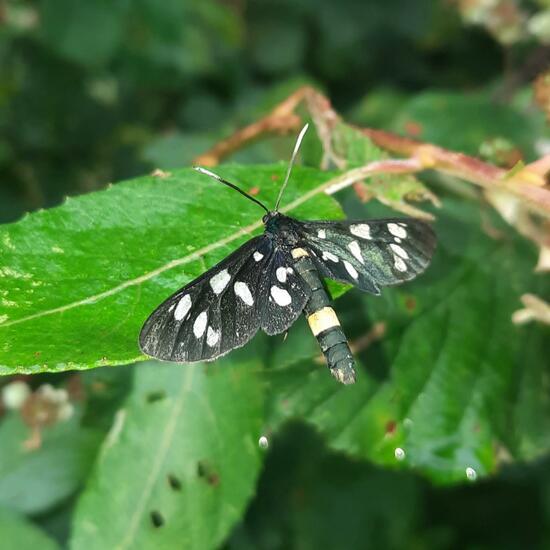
{"type": "Point", "coordinates": [323, 321]}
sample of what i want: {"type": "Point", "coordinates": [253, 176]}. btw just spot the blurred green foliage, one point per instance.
{"type": "Point", "coordinates": [99, 91]}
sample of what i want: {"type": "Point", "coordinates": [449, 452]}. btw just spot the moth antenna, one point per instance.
{"type": "Point", "coordinates": [291, 163]}
{"type": "Point", "coordinates": [228, 183]}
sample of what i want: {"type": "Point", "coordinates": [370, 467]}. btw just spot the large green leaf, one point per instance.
{"type": "Point", "coordinates": [180, 462]}
{"type": "Point", "coordinates": [454, 388]}
{"type": "Point", "coordinates": [78, 281]}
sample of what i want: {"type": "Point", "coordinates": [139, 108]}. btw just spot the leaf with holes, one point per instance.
{"type": "Point", "coordinates": [78, 281]}
{"type": "Point", "coordinates": [180, 462]}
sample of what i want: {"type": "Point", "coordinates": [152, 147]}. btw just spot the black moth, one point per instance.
{"type": "Point", "coordinates": [271, 279]}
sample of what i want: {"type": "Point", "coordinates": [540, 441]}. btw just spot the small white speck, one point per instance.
{"type": "Point", "coordinates": [263, 442]}
{"type": "Point", "coordinates": [57, 250]}
{"type": "Point", "coordinates": [471, 474]}
{"type": "Point", "coordinates": [200, 324]}
{"type": "Point", "coordinates": [407, 422]}
{"type": "Point", "coordinates": [15, 394]}
{"type": "Point", "coordinates": [243, 292]}
{"type": "Point", "coordinates": [360, 230]}
{"type": "Point", "coordinates": [330, 256]}
{"type": "Point", "coordinates": [212, 337]}
{"type": "Point", "coordinates": [281, 274]}
{"type": "Point", "coordinates": [257, 256]}
{"type": "Point", "coordinates": [281, 296]}
{"type": "Point", "coordinates": [183, 307]}
{"type": "Point", "coordinates": [351, 270]}
{"type": "Point", "coordinates": [397, 230]}
{"type": "Point", "coordinates": [399, 251]}
{"type": "Point", "coordinates": [322, 234]}
{"type": "Point", "coordinates": [355, 249]}
{"type": "Point", "coordinates": [399, 453]}
{"type": "Point", "coordinates": [220, 281]}
{"type": "Point", "coordinates": [399, 264]}
{"type": "Point", "coordinates": [397, 240]}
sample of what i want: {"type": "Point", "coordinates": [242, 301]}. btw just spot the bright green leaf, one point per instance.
{"type": "Point", "coordinates": [78, 281]}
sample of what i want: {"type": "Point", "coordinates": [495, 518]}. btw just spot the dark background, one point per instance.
{"type": "Point", "coordinates": [99, 91]}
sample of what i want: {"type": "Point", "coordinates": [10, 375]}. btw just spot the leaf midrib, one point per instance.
{"type": "Point", "coordinates": [160, 458]}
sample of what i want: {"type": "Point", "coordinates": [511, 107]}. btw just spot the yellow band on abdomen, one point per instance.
{"type": "Point", "coordinates": [322, 319]}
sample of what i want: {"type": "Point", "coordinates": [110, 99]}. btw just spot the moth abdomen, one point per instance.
{"type": "Point", "coordinates": [333, 342]}
{"type": "Point", "coordinates": [324, 323]}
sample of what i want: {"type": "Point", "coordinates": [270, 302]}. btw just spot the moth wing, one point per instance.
{"type": "Point", "coordinates": [370, 254]}
{"type": "Point", "coordinates": [283, 293]}
{"type": "Point", "coordinates": [214, 313]}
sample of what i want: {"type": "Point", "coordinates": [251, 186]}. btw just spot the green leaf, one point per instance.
{"type": "Point", "coordinates": [180, 462]}
{"type": "Point", "coordinates": [463, 122]}
{"type": "Point", "coordinates": [78, 281]}
{"type": "Point", "coordinates": [390, 189]}
{"type": "Point", "coordinates": [35, 480]}
{"type": "Point", "coordinates": [454, 384]}
{"type": "Point", "coordinates": [17, 532]}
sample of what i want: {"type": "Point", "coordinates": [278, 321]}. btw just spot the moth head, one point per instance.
{"type": "Point", "coordinates": [270, 219]}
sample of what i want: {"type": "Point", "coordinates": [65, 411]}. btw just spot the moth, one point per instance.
{"type": "Point", "coordinates": [273, 278]}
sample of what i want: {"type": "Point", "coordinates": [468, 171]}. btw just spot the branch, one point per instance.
{"type": "Point", "coordinates": [527, 184]}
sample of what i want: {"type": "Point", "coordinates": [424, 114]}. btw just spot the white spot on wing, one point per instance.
{"type": "Point", "coordinates": [183, 307]}
{"type": "Point", "coordinates": [212, 337]}
{"type": "Point", "coordinates": [330, 256]}
{"type": "Point", "coordinates": [282, 273]}
{"type": "Point", "coordinates": [322, 234]}
{"type": "Point", "coordinates": [351, 270]}
{"type": "Point", "coordinates": [397, 230]}
{"type": "Point", "coordinates": [355, 249]}
{"type": "Point", "coordinates": [243, 292]}
{"type": "Point", "coordinates": [199, 326]}
{"type": "Point", "coordinates": [257, 256]}
{"type": "Point", "coordinates": [360, 230]}
{"type": "Point", "coordinates": [399, 264]}
{"type": "Point", "coordinates": [281, 296]}
{"type": "Point", "coordinates": [399, 251]}
{"type": "Point", "coordinates": [220, 281]}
